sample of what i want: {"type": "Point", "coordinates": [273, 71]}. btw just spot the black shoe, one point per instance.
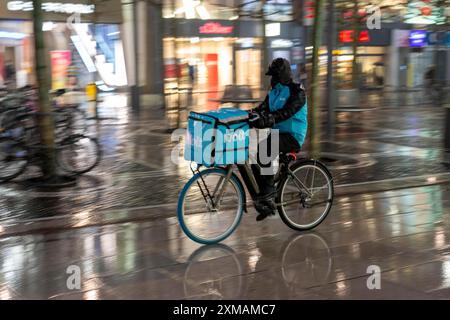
{"type": "Point", "coordinates": [262, 216]}
{"type": "Point", "coordinates": [265, 207]}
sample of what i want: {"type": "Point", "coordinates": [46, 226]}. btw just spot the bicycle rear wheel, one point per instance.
{"type": "Point", "coordinates": [13, 159]}
{"type": "Point", "coordinates": [305, 195]}
{"type": "Point", "coordinates": [198, 219]}
{"type": "Point", "coordinates": [78, 154]}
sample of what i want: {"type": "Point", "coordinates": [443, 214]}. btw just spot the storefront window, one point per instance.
{"type": "Point", "coordinates": [76, 56]}
{"type": "Point", "coordinates": [274, 10]}
{"type": "Point", "coordinates": [390, 10]}
{"type": "Point", "coordinates": [206, 64]}
{"type": "Point", "coordinates": [370, 63]}
{"type": "Point", "coordinates": [16, 55]}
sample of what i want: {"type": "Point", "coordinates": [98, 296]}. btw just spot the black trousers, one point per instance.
{"type": "Point", "coordinates": [287, 143]}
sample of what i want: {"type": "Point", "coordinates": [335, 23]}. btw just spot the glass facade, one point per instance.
{"type": "Point", "coordinates": [16, 52]}
{"type": "Point", "coordinates": [191, 9]}
{"type": "Point", "coordinates": [274, 10]}
{"type": "Point", "coordinates": [86, 48]}
{"type": "Point", "coordinates": [390, 10]}
{"type": "Point", "coordinates": [209, 64]}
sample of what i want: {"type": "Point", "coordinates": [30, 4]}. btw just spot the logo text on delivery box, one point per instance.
{"type": "Point", "coordinates": [235, 136]}
{"type": "Point", "coordinates": [231, 136]}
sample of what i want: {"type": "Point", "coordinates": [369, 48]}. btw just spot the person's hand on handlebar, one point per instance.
{"type": "Point", "coordinates": [261, 120]}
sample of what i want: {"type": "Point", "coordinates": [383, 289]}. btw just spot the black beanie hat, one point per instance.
{"type": "Point", "coordinates": [280, 69]}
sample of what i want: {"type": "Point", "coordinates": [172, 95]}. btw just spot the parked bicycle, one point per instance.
{"type": "Point", "coordinates": [76, 154]}
{"type": "Point", "coordinates": [19, 106]}
{"type": "Point", "coordinates": [211, 204]}
{"type": "Point", "coordinates": [20, 143]}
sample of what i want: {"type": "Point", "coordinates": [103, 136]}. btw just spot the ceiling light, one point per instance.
{"type": "Point", "coordinates": [189, 9]}
{"type": "Point", "coordinates": [12, 35]}
{"type": "Point", "coordinates": [48, 26]}
{"type": "Point", "coordinates": [178, 11]}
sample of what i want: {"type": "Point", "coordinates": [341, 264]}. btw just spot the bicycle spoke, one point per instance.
{"type": "Point", "coordinates": [304, 207]}
{"type": "Point", "coordinates": [210, 223]}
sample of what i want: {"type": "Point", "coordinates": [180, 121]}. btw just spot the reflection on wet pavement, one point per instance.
{"type": "Point", "coordinates": [405, 233]}
{"type": "Point", "coordinates": [118, 224]}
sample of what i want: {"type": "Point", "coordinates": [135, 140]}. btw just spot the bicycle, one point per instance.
{"type": "Point", "coordinates": [19, 107]}
{"type": "Point", "coordinates": [218, 194]}
{"type": "Point", "coordinates": [20, 145]}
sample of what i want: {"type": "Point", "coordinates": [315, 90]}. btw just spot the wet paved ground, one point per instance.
{"type": "Point", "coordinates": [118, 224]}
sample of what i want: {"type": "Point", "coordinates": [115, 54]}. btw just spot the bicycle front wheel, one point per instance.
{"type": "Point", "coordinates": [305, 195]}
{"type": "Point", "coordinates": [203, 220]}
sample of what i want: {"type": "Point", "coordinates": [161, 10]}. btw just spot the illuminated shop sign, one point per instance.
{"type": "Point", "coordinates": [273, 29]}
{"type": "Point", "coordinates": [12, 35]}
{"type": "Point", "coordinates": [245, 42]}
{"type": "Point", "coordinates": [308, 15]}
{"type": "Point", "coordinates": [417, 38]}
{"type": "Point", "coordinates": [215, 28]}
{"type": "Point", "coordinates": [346, 36]}
{"type": "Point", "coordinates": [281, 43]}
{"type": "Point", "coordinates": [57, 7]}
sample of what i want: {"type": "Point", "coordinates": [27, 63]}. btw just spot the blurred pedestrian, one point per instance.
{"type": "Point", "coordinates": [10, 75]}
{"type": "Point", "coordinates": [191, 73]}
{"type": "Point", "coordinates": [433, 87]}
{"type": "Point", "coordinates": [429, 77]}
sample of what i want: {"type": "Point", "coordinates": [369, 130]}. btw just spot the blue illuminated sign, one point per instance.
{"type": "Point", "coordinates": [417, 38]}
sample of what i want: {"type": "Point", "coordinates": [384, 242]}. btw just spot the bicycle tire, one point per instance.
{"type": "Point", "coordinates": [70, 141]}
{"type": "Point", "coordinates": [283, 215]}
{"type": "Point", "coordinates": [181, 200]}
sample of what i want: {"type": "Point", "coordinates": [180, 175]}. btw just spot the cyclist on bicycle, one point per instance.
{"type": "Point", "coordinates": [285, 109]}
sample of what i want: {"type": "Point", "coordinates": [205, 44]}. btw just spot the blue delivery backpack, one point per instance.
{"type": "Point", "coordinates": [218, 137]}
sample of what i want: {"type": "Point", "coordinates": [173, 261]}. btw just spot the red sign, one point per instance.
{"type": "Point", "coordinates": [60, 61]}
{"type": "Point", "coordinates": [347, 36]}
{"type": "Point", "coordinates": [211, 60]}
{"type": "Point", "coordinates": [308, 17]}
{"type": "Point", "coordinates": [364, 36]}
{"type": "Point", "coordinates": [215, 28]}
